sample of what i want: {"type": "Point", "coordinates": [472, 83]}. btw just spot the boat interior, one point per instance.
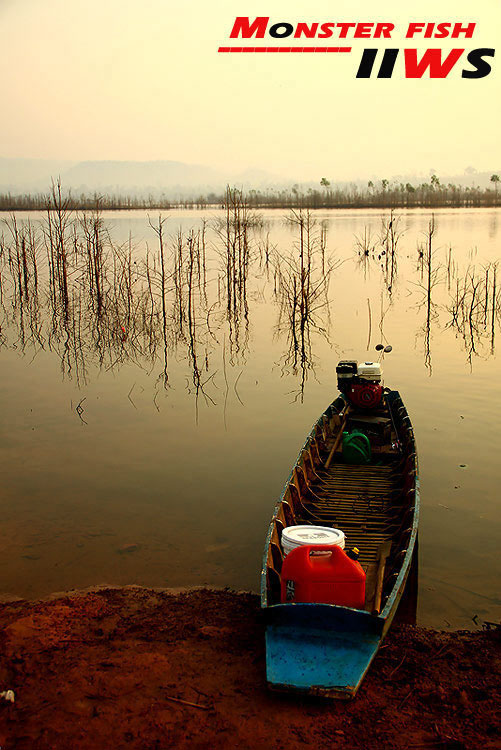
{"type": "Point", "coordinates": [372, 503]}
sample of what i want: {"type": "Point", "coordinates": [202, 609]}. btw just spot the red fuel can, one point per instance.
{"type": "Point", "coordinates": [323, 574]}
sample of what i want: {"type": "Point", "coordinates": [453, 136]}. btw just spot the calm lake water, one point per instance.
{"type": "Point", "coordinates": [130, 456]}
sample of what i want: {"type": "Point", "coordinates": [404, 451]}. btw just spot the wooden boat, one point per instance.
{"type": "Point", "coordinates": [326, 649]}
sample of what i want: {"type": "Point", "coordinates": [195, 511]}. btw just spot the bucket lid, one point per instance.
{"type": "Point", "coordinates": [298, 535]}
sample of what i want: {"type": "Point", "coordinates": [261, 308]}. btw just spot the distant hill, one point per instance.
{"type": "Point", "coordinates": [174, 179]}
{"type": "Point", "coordinates": [139, 176]}
{"type": "Point", "coordinates": [22, 175]}
{"type": "Point", "coordinates": [171, 178]}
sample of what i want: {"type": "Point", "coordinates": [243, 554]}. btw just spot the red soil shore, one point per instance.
{"type": "Point", "coordinates": [135, 668]}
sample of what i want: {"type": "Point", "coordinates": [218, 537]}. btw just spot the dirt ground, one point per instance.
{"type": "Point", "coordinates": [135, 668]}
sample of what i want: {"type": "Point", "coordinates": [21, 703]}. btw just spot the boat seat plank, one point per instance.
{"type": "Point", "coordinates": [360, 500]}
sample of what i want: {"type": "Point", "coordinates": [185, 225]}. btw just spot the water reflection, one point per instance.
{"type": "Point", "coordinates": [67, 286]}
{"type": "Point", "coordinates": [203, 310]}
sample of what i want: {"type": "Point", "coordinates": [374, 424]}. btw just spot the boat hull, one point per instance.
{"type": "Point", "coordinates": [325, 649]}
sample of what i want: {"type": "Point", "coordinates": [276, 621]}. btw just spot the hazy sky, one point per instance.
{"type": "Point", "coordinates": [131, 79]}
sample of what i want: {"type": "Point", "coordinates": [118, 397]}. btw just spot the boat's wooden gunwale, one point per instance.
{"type": "Point", "coordinates": [313, 437]}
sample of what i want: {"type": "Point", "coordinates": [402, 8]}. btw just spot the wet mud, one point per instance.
{"type": "Point", "coordinates": [139, 668]}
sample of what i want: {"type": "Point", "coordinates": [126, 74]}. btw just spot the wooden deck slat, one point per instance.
{"type": "Point", "coordinates": [356, 499]}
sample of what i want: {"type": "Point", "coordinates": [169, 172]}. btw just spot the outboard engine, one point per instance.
{"type": "Point", "coordinates": [366, 392]}
{"type": "Point", "coordinates": [346, 372]}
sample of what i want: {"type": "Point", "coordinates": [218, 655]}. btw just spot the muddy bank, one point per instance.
{"type": "Point", "coordinates": [136, 668]}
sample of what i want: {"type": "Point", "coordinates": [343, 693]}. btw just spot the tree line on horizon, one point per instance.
{"type": "Point", "coordinates": [380, 194]}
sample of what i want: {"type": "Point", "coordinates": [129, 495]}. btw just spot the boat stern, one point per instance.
{"type": "Point", "coordinates": [320, 650]}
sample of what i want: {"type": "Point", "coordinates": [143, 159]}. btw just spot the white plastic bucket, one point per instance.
{"type": "Point", "coordinates": [296, 536]}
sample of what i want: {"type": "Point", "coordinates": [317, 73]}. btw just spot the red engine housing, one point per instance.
{"type": "Point", "coordinates": [366, 395]}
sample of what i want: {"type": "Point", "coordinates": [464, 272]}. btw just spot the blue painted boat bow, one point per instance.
{"type": "Point", "coordinates": [320, 649]}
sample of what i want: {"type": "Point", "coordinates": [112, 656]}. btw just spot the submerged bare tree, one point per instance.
{"type": "Point", "coordinates": [381, 250]}
{"type": "Point", "coordinates": [475, 309]}
{"type": "Point", "coordinates": [158, 228]}
{"type": "Point", "coordinates": [389, 239]}
{"type": "Point", "coordinates": [67, 285]}
{"type": "Point", "coordinates": [237, 253]}
{"type": "Point", "coordinates": [301, 289]}
{"type": "Point", "coordinates": [431, 269]}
